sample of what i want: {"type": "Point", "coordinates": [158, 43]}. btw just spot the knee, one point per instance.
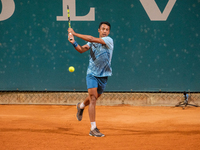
{"type": "Point", "coordinates": [93, 99]}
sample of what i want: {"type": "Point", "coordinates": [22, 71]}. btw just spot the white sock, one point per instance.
{"type": "Point", "coordinates": [82, 105]}
{"type": "Point", "coordinates": [93, 125]}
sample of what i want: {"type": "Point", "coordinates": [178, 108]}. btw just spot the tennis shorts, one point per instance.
{"type": "Point", "coordinates": [96, 82]}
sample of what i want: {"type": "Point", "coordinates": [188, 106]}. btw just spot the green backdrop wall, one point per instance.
{"type": "Point", "coordinates": [156, 44]}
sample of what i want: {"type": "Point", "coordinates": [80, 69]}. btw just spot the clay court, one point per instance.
{"type": "Point", "coordinates": [54, 127]}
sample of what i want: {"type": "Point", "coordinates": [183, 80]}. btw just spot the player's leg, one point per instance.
{"type": "Point", "coordinates": [91, 83]}
{"type": "Point", "coordinates": [93, 95]}
{"type": "Point", "coordinates": [102, 81]}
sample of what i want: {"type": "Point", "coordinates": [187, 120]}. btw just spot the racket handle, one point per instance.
{"type": "Point", "coordinates": [70, 38]}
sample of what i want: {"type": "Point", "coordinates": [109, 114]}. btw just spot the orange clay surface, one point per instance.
{"type": "Point", "coordinates": [46, 127]}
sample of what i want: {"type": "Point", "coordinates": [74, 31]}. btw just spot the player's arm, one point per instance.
{"type": "Point", "coordinates": [88, 38]}
{"type": "Point", "coordinates": [80, 49]}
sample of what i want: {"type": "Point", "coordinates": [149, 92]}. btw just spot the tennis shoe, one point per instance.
{"type": "Point", "coordinates": [79, 114]}
{"type": "Point", "coordinates": [96, 133]}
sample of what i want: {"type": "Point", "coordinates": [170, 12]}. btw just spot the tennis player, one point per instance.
{"type": "Point", "coordinates": [101, 50]}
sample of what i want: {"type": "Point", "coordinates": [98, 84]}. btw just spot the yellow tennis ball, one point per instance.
{"type": "Point", "coordinates": [71, 69]}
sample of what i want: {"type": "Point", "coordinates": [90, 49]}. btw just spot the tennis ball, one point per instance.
{"type": "Point", "coordinates": [71, 69]}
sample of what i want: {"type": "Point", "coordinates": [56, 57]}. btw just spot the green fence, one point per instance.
{"type": "Point", "coordinates": [156, 44]}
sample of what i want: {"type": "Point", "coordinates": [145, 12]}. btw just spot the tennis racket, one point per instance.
{"type": "Point", "coordinates": [68, 14]}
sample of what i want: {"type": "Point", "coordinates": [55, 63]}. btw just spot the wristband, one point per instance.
{"type": "Point", "coordinates": [75, 44]}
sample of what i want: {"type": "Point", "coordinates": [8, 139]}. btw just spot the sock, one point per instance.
{"type": "Point", "coordinates": [93, 125]}
{"type": "Point", "coordinates": [82, 105]}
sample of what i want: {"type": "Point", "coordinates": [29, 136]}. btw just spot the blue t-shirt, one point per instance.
{"type": "Point", "coordinates": [100, 58]}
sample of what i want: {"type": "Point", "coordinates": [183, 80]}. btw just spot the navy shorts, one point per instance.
{"type": "Point", "coordinates": [96, 82]}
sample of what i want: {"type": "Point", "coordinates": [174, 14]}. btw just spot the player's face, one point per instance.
{"type": "Point", "coordinates": [104, 30]}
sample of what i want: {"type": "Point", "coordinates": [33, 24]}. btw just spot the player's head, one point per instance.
{"type": "Point", "coordinates": [104, 29]}
{"type": "Point", "coordinates": [105, 22]}
{"type": "Point", "coordinates": [184, 93]}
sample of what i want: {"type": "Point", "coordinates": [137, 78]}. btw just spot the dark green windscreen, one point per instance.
{"type": "Point", "coordinates": [149, 54]}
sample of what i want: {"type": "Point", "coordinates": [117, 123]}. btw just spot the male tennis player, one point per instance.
{"type": "Point", "coordinates": [101, 50]}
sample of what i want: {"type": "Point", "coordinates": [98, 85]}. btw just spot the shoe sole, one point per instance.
{"type": "Point", "coordinates": [77, 111]}
{"type": "Point", "coordinates": [96, 136]}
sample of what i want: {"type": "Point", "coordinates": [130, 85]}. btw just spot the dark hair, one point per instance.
{"type": "Point", "coordinates": [105, 22]}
